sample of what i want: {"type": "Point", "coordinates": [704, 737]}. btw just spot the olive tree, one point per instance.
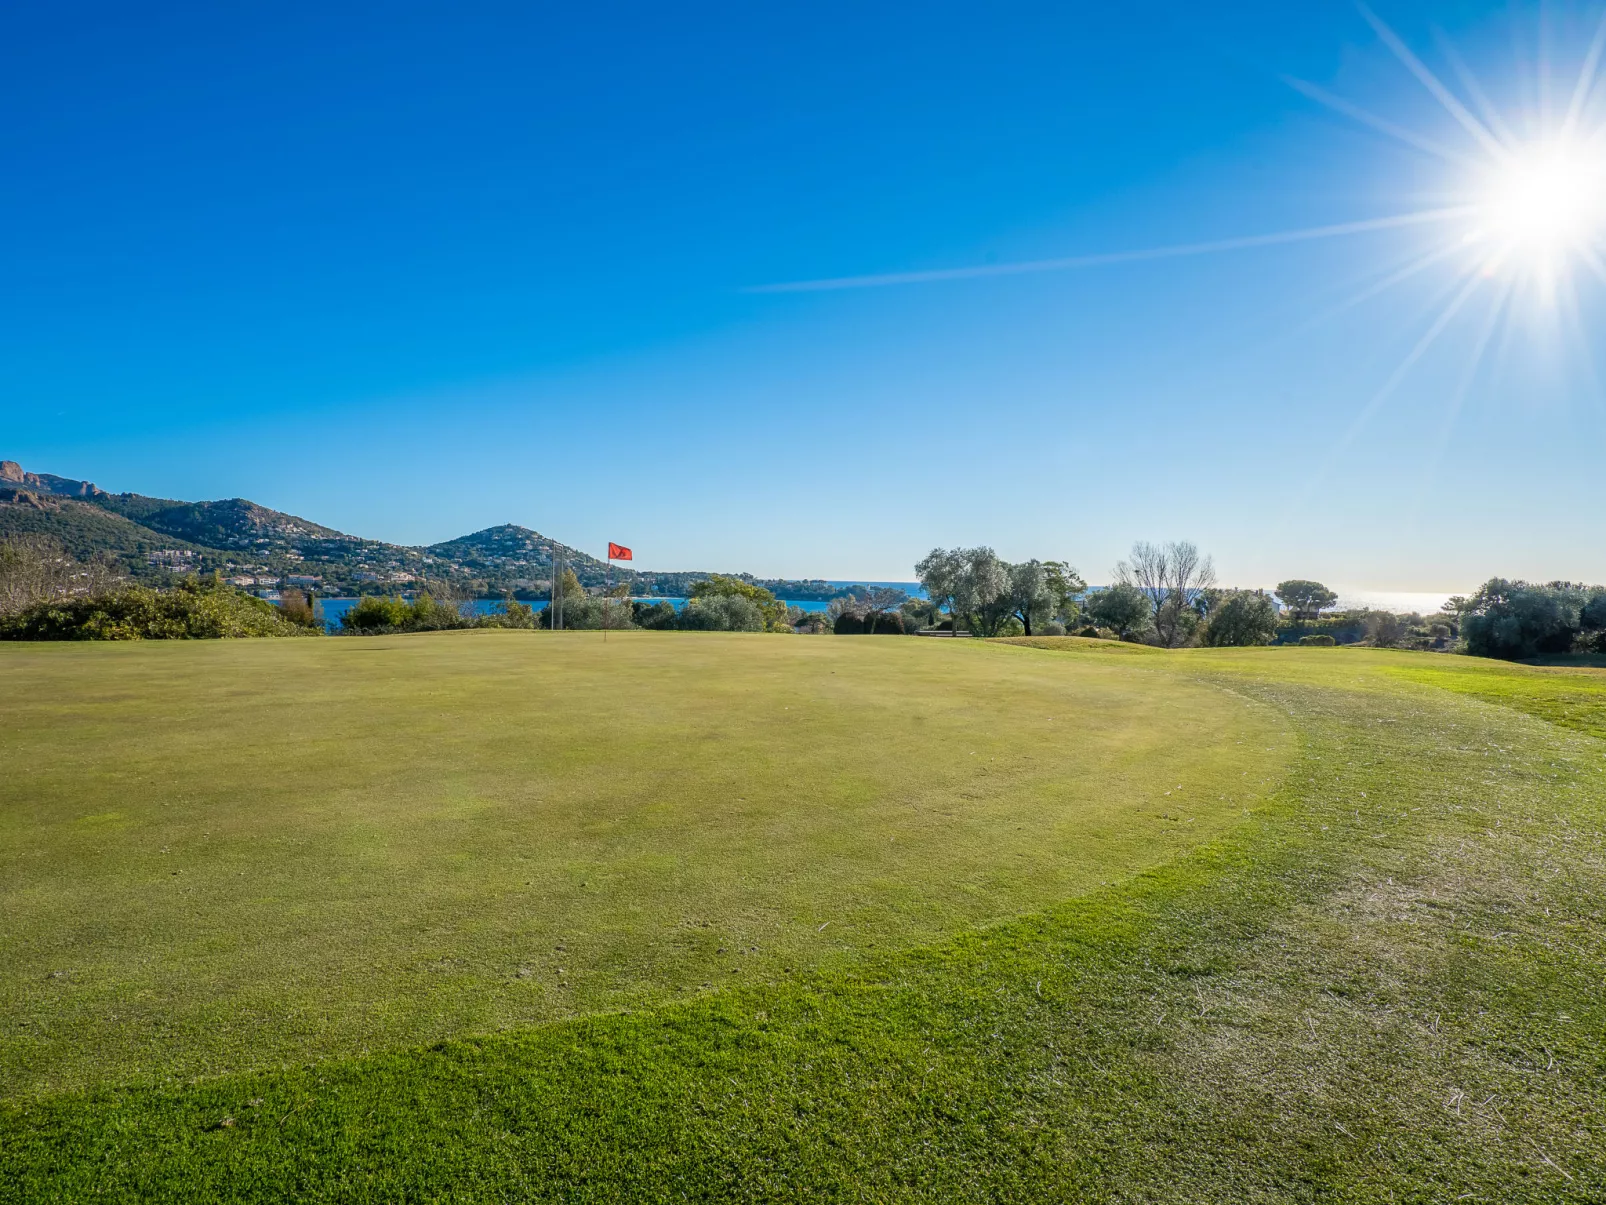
{"type": "Point", "coordinates": [1124, 609]}
{"type": "Point", "coordinates": [970, 582]}
{"type": "Point", "coordinates": [1241, 617]}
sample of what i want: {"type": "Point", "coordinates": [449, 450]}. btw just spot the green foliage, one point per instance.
{"type": "Point", "coordinates": [1241, 617]}
{"type": "Point", "coordinates": [654, 616]}
{"type": "Point", "coordinates": [1124, 609]}
{"type": "Point", "coordinates": [298, 608]}
{"type": "Point", "coordinates": [733, 612]}
{"type": "Point", "coordinates": [513, 615]}
{"type": "Point", "coordinates": [1385, 629]}
{"type": "Point", "coordinates": [196, 611]}
{"type": "Point", "coordinates": [1306, 599]}
{"type": "Point", "coordinates": [772, 612]}
{"type": "Point", "coordinates": [375, 614]}
{"type": "Point", "coordinates": [1515, 620]}
{"type": "Point", "coordinates": [1317, 641]}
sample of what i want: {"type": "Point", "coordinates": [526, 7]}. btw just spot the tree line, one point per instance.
{"type": "Point", "coordinates": [1161, 594]}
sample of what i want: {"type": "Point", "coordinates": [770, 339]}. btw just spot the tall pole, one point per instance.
{"type": "Point", "coordinates": [607, 597]}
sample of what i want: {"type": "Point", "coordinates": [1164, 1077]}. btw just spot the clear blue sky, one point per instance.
{"type": "Point", "coordinates": [413, 270]}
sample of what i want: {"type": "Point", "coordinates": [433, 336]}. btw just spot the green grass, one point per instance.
{"type": "Point", "coordinates": [1368, 969]}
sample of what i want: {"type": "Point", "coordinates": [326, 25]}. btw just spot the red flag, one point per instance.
{"type": "Point", "coordinates": [618, 552]}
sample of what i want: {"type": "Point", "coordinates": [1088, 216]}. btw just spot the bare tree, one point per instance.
{"type": "Point", "coordinates": [1173, 577]}
{"type": "Point", "coordinates": [35, 570]}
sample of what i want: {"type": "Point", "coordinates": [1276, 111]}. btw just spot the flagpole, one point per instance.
{"type": "Point", "coordinates": [607, 597]}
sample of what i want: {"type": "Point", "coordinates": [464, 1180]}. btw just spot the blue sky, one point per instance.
{"type": "Point", "coordinates": [418, 271]}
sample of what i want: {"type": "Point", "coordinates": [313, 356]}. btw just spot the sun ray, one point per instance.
{"type": "Point", "coordinates": [1174, 251]}
{"type": "Point", "coordinates": [1469, 81]}
{"type": "Point", "coordinates": [1497, 307]}
{"type": "Point", "coordinates": [1586, 80]}
{"type": "Point", "coordinates": [1475, 279]}
{"type": "Point", "coordinates": [1339, 105]}
{"type": "Point", "coordinates": [1432, 83]}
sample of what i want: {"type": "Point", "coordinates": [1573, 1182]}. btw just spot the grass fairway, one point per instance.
{"type": "Point", "coordinates": [509, 916]}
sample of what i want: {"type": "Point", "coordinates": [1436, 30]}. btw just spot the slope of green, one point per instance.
{"type": "Point", "coordinates": [1572, 698]}
{"type": "Point", "coordinates": [1379, 984]}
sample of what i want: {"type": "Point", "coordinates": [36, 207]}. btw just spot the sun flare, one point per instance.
{"type": "Point", "coordinates": [1543, 204]}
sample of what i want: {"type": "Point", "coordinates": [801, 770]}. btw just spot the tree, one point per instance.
{"type": "Point", "coordinates": [877, 601]}
{"type": "Point", "coordinates": [1026, 593]}
{"type": "Point", "coordinates": [1385, 629]}
{"type": "Point", "coordinates": [1241, 617]}
{"type": "Point", "coordinates": [722, 613]}
{"type": "Point", "coordinates": [772, 611]}
{"type": "Point", "coordinates": [1067, 587]}
{"type": "Point", "coordinates": [1172, 577]}
{"type": "Point", "coordinates": [37, 569]}
{"type": "Point", "coordinates": [971, 582]}
{"type": "Point", "coordinates": [1123, 608]}
{"type": "Point", "coordinates": [1516, 620]}
{"type": "Point", "coordinates": [1306, 599]}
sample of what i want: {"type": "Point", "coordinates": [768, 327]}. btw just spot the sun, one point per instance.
{"type": "Point", "coordinates": [1541, 205]}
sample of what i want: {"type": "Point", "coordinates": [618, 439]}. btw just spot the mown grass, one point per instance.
{"type": "Point", "coordinates": [217, 857]}
{"type": "Point", "coordinates": [1381, 985]}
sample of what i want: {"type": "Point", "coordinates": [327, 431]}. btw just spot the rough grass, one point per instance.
{"type": "Point", "coordinates": [1381, 985]}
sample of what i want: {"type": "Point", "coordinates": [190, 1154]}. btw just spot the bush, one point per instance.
{"type": "Point", "coordinates": [849, 624]}
{"type": "Point", "coordinates": [1517, 620]}
{"type": "Point", "coordinates": [513, 615]}
{"type": "Point", "coordinates": [1124, 609]}
{"type": "Point", "coordinates": [1091, 632]}
{"type": "Point", "coordinates": [654, 616]}
{"type": "Point", "coordinates": [1241, 618]}
{"type": "Point", "coordinates": [298, 609]}
{"type": "Point", "coordinates": [722, 613]}
{"type": "Point", "coordinates": [1385, 629]}
{"type": "Point", "coordinates": [1318, 642]}
{"type": "Point", "coordinates": [195, 611]}
{"type": "Point", "coordinates": [372, 614]}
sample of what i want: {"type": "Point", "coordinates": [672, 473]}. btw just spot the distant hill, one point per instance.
{"type": "Point", "coordinates": [154, 538]}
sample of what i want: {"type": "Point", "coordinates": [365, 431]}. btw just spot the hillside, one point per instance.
{"type": "Point", "coordinates": [151, 538]}
{"type": "Point", "coordinates": [87, 531]}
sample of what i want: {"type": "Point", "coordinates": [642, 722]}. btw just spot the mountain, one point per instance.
{"type": "Point", "coordinates": [154, 538]}
{"type": "Point", "coordinates": [12, 477]}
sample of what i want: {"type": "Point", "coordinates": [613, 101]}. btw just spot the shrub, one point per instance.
{"type": "Point", "coordinates": [1124, 609]}
{"type": "Point", "coordinates": [722, 613]}
{"type": "Point", "coordinates": [849, 624]}
{"type": "Point", "coordinates": [512, 615]}
{"type": "Point", "coordinates": [195, 611]}
{"type": "Point", "coordinates": [373, 613]}
{"type": "Point", "coordinates": [1317, 641]}
{"type": "Point", "coordinates": [1091, 632]}
{"type": "Point", "coordinates": [298, 609]}
{"type": "Point", "coordinates": [1385, 629]}
{"type": "Point", "coordinates": [1516, 620]}
{"type": "Point", "coordinates": [1241, 617]}
{"type": "Point", "coordinates": [654, 616]}
{"type": "Point", "coordinates": [771, 611]}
